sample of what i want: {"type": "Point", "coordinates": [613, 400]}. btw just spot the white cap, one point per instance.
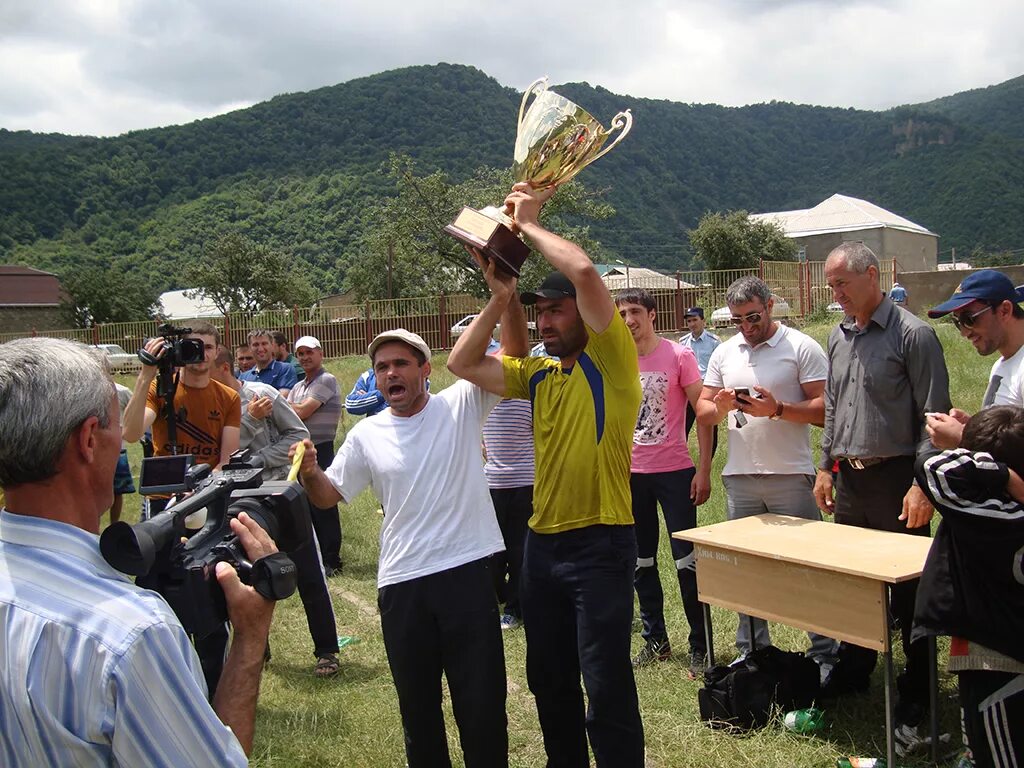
{"type": "Point", "coordinates": [308, 341]}
{"type": "Point", "coordinates": [399, 334]}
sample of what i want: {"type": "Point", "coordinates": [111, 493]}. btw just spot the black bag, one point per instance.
{"type": "Point", "coordinates": [743, 696]}
{"type": "Point", "coordinates": [851, 672]}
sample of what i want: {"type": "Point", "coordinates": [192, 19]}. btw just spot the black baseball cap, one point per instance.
{"type": "Point", "coordinates": [555, 286]}
{"type": "Point", "coordinates": [694, 312]}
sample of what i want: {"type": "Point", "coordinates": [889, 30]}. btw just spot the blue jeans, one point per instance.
{"type": "Point", "coordinates": [577, 601]}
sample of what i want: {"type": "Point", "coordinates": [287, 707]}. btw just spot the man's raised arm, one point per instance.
{"type": "Point", "coordinates": [592, 298]}
{"type": "Point", "coordinates": [469, 359]}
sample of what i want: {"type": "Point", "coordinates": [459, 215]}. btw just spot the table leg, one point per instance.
{"type": "Point", "coordinates": [890, 692]}
{"type": "Point", "coordinates": [709, 634]}
{"type": "Point", "coordinates": [750, 628]}
{"type": "Point", "coordinates": [933, 694]}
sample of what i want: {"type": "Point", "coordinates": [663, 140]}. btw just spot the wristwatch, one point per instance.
{"type": "Point", "coordinates": [778, 411]}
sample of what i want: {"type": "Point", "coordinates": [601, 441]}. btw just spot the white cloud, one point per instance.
{"type": "Point", "coordinates": [106, 66]}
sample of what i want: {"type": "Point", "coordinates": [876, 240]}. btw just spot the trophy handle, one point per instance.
{"type": "Point", "coordinates": [623, 120]}
{"type": "Point", "coordinates": [540, 81]}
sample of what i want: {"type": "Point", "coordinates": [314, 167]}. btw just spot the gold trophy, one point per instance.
{"type": "Point", "coordinates": [555, 140]}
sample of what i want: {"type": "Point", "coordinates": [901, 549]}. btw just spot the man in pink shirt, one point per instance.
{"type": "Point", "coordinates": [662, 472]}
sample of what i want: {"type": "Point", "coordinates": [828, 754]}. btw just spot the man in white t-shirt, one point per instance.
{"type": "Point", "coordinates": [986, 310]}
{"type": "Point", "coordinates": [768, 381]}
{"type": "Point", "coordinates": [662, 472]}
{"type": "Point", "coordinates": [437, 605]}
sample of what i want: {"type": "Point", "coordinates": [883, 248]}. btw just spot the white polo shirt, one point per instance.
{"type": "Point", "coordinates": [780, 365]}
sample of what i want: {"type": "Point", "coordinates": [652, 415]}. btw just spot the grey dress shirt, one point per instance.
{"type": "Point", "coordinates": [882, 379]}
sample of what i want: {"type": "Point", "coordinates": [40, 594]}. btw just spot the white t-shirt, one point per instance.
{"type": "Point", "coordinates": [427, 471]}
{"type": "Point", "coordinates": [1004, 382]}
{"type": "Point", "coordinates": [780, 365]}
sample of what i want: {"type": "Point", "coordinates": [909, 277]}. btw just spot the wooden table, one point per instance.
{"type": "Point", "coordinates": [827, 578]}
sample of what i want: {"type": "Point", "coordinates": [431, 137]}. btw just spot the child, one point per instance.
{"type": "Point", "coordinates": [972, 587]}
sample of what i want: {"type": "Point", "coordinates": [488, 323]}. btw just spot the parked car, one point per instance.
{"type": "Point", "coordinates": [835, 306]}
{"type": "Point", "coordinates": [780, 310]}
{"type": "Point", "coordinates": [463, 324]}
{"type": "Point", "coordinates": [120, 361]}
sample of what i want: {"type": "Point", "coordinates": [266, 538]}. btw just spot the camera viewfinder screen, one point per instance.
{"type": "Point", "coordinates": [164, 474]}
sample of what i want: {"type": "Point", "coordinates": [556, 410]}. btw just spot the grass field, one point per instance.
{"type": "Point", "coordinates": [352, 719]}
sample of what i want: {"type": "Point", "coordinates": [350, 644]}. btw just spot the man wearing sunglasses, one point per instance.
{"type": "Point", "coordinates": [985, 309]}
{"type": "Point", "coordinates": [886, 371]}
{"type": "Point", "coordinates": [767, 381]}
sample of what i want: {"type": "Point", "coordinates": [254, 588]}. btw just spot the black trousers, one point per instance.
{"type": "Point", "coordinates": [873, 498]}
{"type": "Point", "coordinates": [316, 600]}
{"type": "Point", "coordinates": [327, 521]}
{"type": "Point", "coordinates": [513, 507]}
{"type": "Point", "coordinates": [691, 417]}
{"type": "Point", "coordinates": [672, 491]}
{"type": "Point", "coordinates": [447, 622]}
{"type": "Point", "coordinates": [577, 596]}
{"type": "Point", "coordinates": [992, 706]}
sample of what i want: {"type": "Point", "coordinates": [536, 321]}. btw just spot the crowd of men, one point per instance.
{"type": "Point", "coordinates": [562, 534]}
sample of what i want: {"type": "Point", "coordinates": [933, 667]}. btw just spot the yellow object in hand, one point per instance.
{"type": "Point", "coordinates": [300, 451]}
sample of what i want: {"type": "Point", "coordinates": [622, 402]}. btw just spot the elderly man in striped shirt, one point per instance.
{"type": "Point", "coordinates": [97, 671]}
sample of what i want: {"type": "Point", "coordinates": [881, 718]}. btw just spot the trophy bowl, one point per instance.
{"type": "Point", "coordinates": [555, 140]}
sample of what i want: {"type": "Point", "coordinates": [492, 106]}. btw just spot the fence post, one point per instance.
{"type": "Point", "coordinates": [227, 331]}
{"type": "Point", "coordinates": [680, 309]}
{"type": "Point", "coordinates": [442, 314]}
{"type": "Point", "coordinates": [295, 324]}
{"type": "Point", "coordinates": [96, 334]}
{"type": "Point", "coordinates": [368, 329]}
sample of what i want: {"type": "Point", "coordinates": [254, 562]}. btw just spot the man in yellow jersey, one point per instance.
{"type": "Point", "coordinates": [576, 586]}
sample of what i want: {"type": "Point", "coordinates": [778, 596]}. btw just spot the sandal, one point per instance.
{"type": "Point", "coordinates": [326, 665]}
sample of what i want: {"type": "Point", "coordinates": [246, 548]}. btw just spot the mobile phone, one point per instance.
{"type": "Point", "coordinates": [742, 393]}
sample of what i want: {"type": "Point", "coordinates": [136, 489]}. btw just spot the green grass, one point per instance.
{"type": "Point", "coordinates": [353, 720]}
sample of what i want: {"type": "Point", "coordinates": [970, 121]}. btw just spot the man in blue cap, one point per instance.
{"type": "Point", "coordinates": [702, 343]}
{"type": "Point", "coordinates": [985, 309]}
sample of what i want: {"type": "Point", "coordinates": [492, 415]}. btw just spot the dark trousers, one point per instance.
{"type": "Point", "coordinates": [873, 498]}
{"type": "Point", "coordinates": [447, 622]}
{"type": "Point", "coordinates": [691, 417]}
{"type": "Point", "coordinates": [513, 507]}
{"type": "Point", "coordinates": [326, 521]}
{"type": "Point", "coordinates": [577, 598]}
{"type": "Point", "coordinates": [992, 707]}
{"type": "Point", "coordinates": [672, 491]}
{"type": "Point", "coordinates": [316, 600]}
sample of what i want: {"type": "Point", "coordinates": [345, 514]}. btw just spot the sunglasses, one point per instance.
{"type": "Point", "coordinates": [751, 318]}
{"type": "Point", "coordinates": [968, 321]}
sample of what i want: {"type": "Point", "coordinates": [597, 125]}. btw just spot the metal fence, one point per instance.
{"type": "Point", "coordinates": [346, 330]}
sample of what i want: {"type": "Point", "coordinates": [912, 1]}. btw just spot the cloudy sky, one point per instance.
{"type": "Point", "coordinates": [104, 67]}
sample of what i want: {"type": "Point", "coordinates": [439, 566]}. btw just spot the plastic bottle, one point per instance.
{"type": "Point", "coordinates": [804, 720]}
{"type": "Point", "coordinates": [861, 762]}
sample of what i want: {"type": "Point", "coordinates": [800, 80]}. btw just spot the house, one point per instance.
{"type": "Point", "coordinates": [841, 219]}
{"type": "Point", "coordinates": [619, 276]}
{"type": "Point", "coordinates": [176, 305]}
{"type": "Point", "coordinates": [29, 300]}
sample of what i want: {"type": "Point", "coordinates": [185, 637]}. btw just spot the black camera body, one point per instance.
{"type": "Point", "coordinates": [179, 349]}
{"type": "Point", "coordinates": [184, 571]}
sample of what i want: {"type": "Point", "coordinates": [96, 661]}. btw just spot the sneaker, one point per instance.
{"type": "Point", "coordinates": [908, 740]}
{"type": "Point", "coordinates": [508, 621]}
{"type": "Point", "coordinates": [653, 650]}
{"type": "Point", "coordinates": [698, 663]}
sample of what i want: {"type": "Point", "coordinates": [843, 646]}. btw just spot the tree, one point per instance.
{"type": "Point", "coordinates": [734, 241]}
{"type": "Point", "coordinates": [238, 275]}
{"type": "Point", "coordinates": [97, 295]}
{"type": "Point", "coordinates": [406, 252]}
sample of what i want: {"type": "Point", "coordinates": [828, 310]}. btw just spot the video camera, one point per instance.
{"type": "Point", "coordinates": [184, 571]}
{"type": "Point", "coordinates": [180, 350]}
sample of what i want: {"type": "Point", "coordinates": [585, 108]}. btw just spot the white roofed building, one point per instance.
{"type": "Point", "coordinates": [842, 219]}
{"type": "Point", "coordinates": [176, 305]}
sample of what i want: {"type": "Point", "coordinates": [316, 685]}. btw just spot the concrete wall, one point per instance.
{"type": "Point", "coordinates": [926, 289]}
{"type": "Point", "coordinates": [914, 252]}
{"type": "Point", "coordinates": [21, 319]}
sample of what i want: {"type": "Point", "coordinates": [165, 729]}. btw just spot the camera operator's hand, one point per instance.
{"type": "Point", "coordinates": [156, 348]}
{"type": "Point", "coordinates": [249, 612]}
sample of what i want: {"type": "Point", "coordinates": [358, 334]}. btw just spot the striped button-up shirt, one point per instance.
{"type": "Point", "coordinates": [94, 670]}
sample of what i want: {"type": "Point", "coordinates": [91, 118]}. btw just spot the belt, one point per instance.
{"type": "Point", "coordinates": [857, 462]}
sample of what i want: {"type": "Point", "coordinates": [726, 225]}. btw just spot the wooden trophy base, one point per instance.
{"type": "Point", "coordinates": [490, 237]}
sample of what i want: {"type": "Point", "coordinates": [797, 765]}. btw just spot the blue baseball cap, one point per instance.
{"type": "Point", "coordinates": [694, 312]}
{"type": "Point", "coordinates": [984, 285]}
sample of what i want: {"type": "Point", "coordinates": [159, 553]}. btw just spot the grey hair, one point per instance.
{"type": "Point", "coordinates": [856, 256]}
{"type": "Point", "coordinates": [48, 387]}
{"type": "Point", "coordinates": [747, 289]}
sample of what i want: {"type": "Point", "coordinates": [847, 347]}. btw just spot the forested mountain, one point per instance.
{"type": "Point", "coordinates": [300, 172]}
